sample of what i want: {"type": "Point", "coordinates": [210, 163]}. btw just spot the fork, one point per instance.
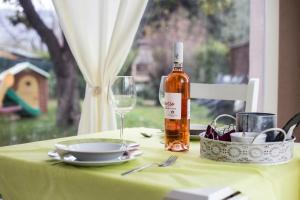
{"type": "Point", "coordinates": [170, 161]}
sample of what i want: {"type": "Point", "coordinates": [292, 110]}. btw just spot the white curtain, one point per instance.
{"type": "Point", "coordinates": [100, 34]}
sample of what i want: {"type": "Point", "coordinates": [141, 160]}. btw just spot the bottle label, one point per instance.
{"type": "Point", "coordinates": [173, 105]}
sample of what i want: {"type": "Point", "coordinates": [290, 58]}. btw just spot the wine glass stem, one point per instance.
{"type": "Point", "coordinates": [122, 127]}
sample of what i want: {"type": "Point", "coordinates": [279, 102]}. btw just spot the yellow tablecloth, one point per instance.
{"type": "Point", "coordinates": [27, 174]}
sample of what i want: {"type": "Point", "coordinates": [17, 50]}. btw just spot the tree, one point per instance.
{"type": "Point", "coordinates": [213, 59]}
{"type": "Point", "coordinates": [65, 67]}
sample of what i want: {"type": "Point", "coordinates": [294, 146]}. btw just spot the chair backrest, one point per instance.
{"type": "Point", "coordinates": [245, 92]}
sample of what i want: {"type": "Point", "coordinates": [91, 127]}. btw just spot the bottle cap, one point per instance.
{"type": "Point", "coordinates": [178, 52]}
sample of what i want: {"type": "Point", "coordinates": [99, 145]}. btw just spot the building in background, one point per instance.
{"type": "Point", "coordinates": [143, 63]}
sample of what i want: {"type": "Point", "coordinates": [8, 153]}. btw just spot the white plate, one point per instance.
{"type": "Point", "coordinates": [72, 160]}
{"type": "Point", "coordinates": [94, 148]}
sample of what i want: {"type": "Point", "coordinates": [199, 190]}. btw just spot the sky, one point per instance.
{"type": "Point", "coordinates": [19, 37]}
{"type": "Point", "coordinates": [38, 4]}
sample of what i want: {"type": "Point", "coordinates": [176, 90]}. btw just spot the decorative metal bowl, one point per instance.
{"type": "Point", "coordinates": [267, 153]}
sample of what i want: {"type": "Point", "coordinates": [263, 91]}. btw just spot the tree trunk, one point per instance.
{"type": "Point", "coordinates": [68, 112]}
{"type": "Point", "coordinates": [65, 68]}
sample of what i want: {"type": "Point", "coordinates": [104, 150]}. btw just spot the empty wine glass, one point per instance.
{"type": "Point", "coordinates": [161, 94]}
{"type": "Point", "coordinates": [123, 98]}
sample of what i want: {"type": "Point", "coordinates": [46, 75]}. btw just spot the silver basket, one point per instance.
{"type": "Point", "coordinates": [267, 153]}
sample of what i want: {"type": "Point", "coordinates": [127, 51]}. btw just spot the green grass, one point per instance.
{"type": "Point", "coordinates": [15, 131]}
{"type": "Point", "coordinates": [44, 127]}
{"type": "Point", "coordinates": [145, 116]}
{"type": "Point", "coordinates": [153, 117]}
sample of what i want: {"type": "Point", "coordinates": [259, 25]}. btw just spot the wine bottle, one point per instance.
{"type": "Point", "coordinates": [177, 105]}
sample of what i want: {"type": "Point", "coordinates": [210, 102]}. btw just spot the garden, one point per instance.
{"type": "Point", "coordinates": [16, 131]}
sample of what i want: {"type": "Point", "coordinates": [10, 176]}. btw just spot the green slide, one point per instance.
{"type": "Point", "coordinates": [11, 98]}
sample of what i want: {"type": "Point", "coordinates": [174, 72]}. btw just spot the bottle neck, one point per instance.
{"type": "Point", "coordinates": [177, 66]}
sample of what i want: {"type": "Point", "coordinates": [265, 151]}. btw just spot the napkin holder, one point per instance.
{"type": "Point", "coordinates": [213, 147]}
{"type": "Point", "coordinates": [271, 153]}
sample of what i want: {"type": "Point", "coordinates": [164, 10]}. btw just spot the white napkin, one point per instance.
{"type": "Point", "coordinates": [216, 193]}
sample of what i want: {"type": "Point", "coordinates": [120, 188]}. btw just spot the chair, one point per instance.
{"type": "Point", "coordinates": [245, 92]}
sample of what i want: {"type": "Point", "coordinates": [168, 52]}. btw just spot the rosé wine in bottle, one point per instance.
{"type": "Point", "coordinates": [177, 105]}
